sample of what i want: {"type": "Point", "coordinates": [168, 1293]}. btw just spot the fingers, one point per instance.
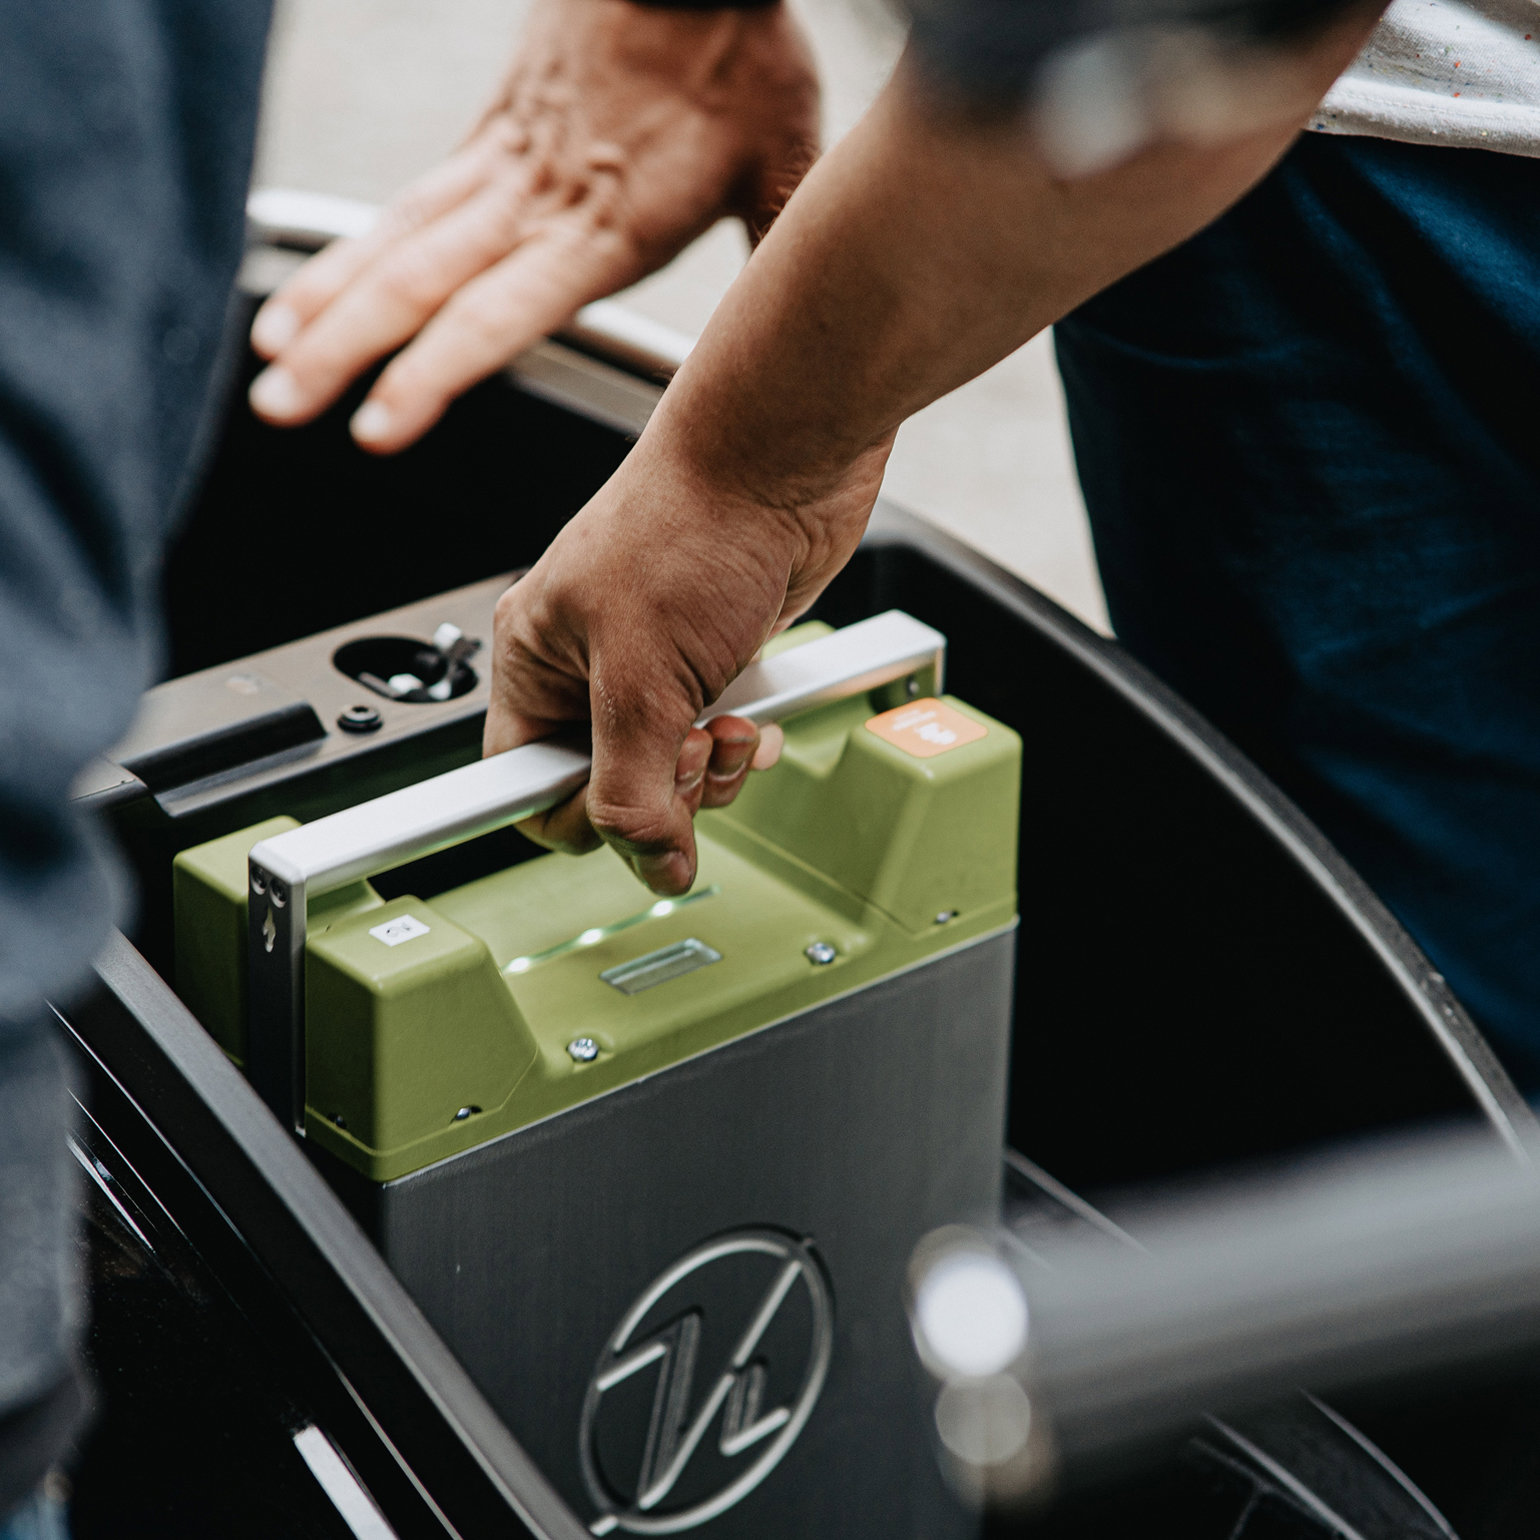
{"type": "Point", "coordinates": [692, 769]}
{"type": "Point", "coordinates": [637, 798]}
{"type": "Point", "coordinates": [737, 747]}
{"type": "Point", "coordinates": [648, 777]}
{"type": "Point", "coordinates": [386, 303]}
{"type": "Point", "coordinates": [648, 784]}
{"type": "Point", "coordinates": [296, 303]}
{"type": "Point", "coordinates": [535, 697]}
{"type": "Point", "coordinates": [771, 741]}
{"type": "Point", "coordinates": [565, 827]}
{"type": "Point", "coordinates": [713, 765]}
{"type": "Point", "coordinates": [496, 315]}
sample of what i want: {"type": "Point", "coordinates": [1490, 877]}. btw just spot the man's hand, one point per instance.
{"type": "Point", "coordinates": [623, 132]}
{"type": "Point", "coordinates": [923, 248]}
{"type": "Point", "coordinates": [643, 609]}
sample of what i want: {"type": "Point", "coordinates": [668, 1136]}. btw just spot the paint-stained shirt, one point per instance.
{"type": "Point", "coordinates": [1448, 72]}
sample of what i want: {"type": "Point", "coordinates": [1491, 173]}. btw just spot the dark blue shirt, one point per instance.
{"type": "Point", "coordinates": [126, 129]}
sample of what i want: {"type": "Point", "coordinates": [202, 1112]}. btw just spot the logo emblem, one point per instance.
{"type": "Point", "coordinates": [666, 1444]}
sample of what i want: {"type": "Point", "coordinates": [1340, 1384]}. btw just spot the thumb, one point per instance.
{"type": "Point", "coordinates": [772, 183]}
{"type": "Point", "coordinates": [636, 799]}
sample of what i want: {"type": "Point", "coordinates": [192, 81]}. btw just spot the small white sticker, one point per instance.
{"type": "Point", "coordinates": [403, 928]}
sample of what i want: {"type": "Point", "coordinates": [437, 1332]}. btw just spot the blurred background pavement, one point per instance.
{"type": "Point", "coordinates": [363, 95]}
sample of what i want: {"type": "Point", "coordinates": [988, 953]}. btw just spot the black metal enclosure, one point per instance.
{"type": "Point", "coordinates": [1261, 997]}
{"type": "Point", "coordinates": [1200, 980]}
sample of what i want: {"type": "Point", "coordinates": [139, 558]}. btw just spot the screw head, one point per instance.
{"type": "Point", "coordinates": [820, 954]}
{"type": "Point", "coordinates": [360, 719]}
{"type": "Point", "coordinates": [466, 1112]}
{"type": "Point", "coordinates": [946, 917]}
{"type": "Point", "coordinates": [582, 1050]}
{"type": "Point", "coordinates": [911, 687]}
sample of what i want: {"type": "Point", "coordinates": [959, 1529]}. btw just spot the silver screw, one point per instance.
{"type": "Point", "coordinates": [820, 954]}
{"type": "Point", "coordinates": [946, 917]}
{"type": "Point", "coordinates": [464, 1113]}
{"type": "Point", "coordinates": [583, 1050]}
{"type": "Point", "coordinates": [911, 687]}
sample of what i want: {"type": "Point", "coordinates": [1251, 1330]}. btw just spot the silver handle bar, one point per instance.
{"type": "Point", "coordinates": [289, 869]}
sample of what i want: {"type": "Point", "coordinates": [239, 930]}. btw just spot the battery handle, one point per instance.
{"type": "Point", "coordinates": [287, 870]}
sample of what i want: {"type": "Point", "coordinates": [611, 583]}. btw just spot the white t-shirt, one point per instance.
{"type": "Point", "coordinates": [1463, 73]}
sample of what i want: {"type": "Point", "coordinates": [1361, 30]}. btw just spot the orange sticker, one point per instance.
{"type": "Point", "coordinates": [926, 728]}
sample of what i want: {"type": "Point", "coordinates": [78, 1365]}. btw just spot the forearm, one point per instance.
{"type": "Point", "coordinates": [925, 247]}
{"type": "Point", "coordinates": [920, 251]}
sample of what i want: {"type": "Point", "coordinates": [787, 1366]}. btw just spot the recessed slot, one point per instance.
{"type": "Point", "coordinates": [669, 962]}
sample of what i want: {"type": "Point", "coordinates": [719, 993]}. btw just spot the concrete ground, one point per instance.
{"type": "Point", "coordinates": [362, 95]}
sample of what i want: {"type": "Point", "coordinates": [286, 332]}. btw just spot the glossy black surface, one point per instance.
{"type": "Point", "coordinates": [295, 532]}
{"type": "Point", "coordinates": [197, 1409]}
{"type": "Point", "coordinates": [288, 1310]}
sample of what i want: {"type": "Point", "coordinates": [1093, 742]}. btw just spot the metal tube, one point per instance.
{"type": "Point", "coordinates": [1405, 1259]}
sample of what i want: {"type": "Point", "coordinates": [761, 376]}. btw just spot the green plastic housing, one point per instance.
{"type": "Point", "coordinates": [465, 1031]}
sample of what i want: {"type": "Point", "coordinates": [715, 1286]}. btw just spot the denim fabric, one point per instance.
{"type": "Point", "coordinates": [41, 1517]}
{"type": "Point", "coordinates": [1310, 445]}
{"type": "Point", "coordinates": [125, 147]}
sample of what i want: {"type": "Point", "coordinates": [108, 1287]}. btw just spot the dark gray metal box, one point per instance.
{"type": "Point", "coordinates": [650, 1287]}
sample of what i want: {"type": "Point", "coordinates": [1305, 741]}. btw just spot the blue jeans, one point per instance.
{"type": "Point", "coordinates": [1310, 446]}
{"type": "Point", "coordinates": [41, 1517]}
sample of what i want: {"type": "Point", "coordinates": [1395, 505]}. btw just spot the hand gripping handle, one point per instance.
{"type": "Point", "coordinates": [291, 868]}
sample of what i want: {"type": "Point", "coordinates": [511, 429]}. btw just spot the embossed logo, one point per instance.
{"type": "Point", "coordinates": [664, 1448]}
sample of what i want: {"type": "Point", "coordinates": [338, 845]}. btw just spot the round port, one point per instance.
{"type": "Point", "coordinates": [401, 668]}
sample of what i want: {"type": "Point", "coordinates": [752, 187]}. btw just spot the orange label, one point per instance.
{"type": "Point", "coordinates": [926, 728]}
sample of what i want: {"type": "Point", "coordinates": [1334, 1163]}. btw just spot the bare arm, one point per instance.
{"type": "Point", "coordinates": [925, 247]}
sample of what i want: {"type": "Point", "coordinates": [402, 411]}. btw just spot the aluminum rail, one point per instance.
{"type": "Point", "coordinates": [285, 872]}
{"type": "Point", "coordinates": [1396, 1263]}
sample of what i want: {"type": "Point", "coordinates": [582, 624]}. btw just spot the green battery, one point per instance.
{"type": "Point", "coordinates": [810, 1044]}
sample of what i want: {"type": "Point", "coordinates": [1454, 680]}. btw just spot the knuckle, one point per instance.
{"type": "Point", "coordinates": [634, 827]}
{"type": "Point", "coordinates": [518, 633]}
{"type": "Point", "coordinates": [481, 323]}
{"type": "Point", "coordinates": [505, 613]}
{"type": "Point", "coordinates": [407, 215]}
{"type": "Point", "coordinates": [507, 136]}
{"type": "Point", "coordinates": [563, 828]}
{"type": "Point", "coordinates": [410, 282]}
{"type": "Point", "coordinates": [313, 285]}
{"type": "Point", "coordinates": [415, 386]}
{"type": "Point", "coordinates": [722, 793]}
{"type": "Point", "coordinates": [504, 226]}
{"type": "Point", "coordinates": [643, 710]}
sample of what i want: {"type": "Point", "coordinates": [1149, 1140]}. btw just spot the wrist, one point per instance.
{"type": "Point", "coordinates": [745, 448]}
{"type": "Point", "coordinates": [735, 488]}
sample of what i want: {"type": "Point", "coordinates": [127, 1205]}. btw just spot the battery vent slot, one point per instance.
{"type": "Point", "coordinates": [669, 962]}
